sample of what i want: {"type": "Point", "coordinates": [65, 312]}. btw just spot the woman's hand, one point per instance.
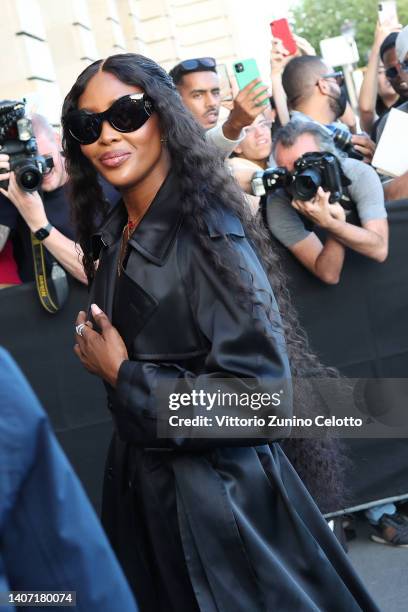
{"type": "Point", "coordinates": [101, 354]}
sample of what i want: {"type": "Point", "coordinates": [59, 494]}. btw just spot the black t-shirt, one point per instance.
{"type": "Point", "coordinates": [57, 209]}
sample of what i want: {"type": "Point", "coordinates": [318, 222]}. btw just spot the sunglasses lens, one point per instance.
{"type": "Point", "coordinates": [84, 127]}
{"type": "Point", "coordinates": [391, 73]}
{"type": "Point", "coordinates": [190, 64]}
{"type": "Point", "coordinates": [125, 115]}
{"type": "Point", "coordinates": [208, 61]}
{"type": "Point", "coordinates": [128, 114]}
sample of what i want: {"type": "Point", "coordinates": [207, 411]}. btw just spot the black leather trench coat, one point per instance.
{"type": "Point", "coordinates": [199, 525]}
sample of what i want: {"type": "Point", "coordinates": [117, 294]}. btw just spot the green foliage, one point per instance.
{"type": "Point", "coordinates": [319, 19]}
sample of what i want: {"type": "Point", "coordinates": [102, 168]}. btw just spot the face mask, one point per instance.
{"type": "Point", "coordinates": [338, 103]}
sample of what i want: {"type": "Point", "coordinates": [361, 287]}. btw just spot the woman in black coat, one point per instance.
{"type": "Point", "coordinates": [179, 300]}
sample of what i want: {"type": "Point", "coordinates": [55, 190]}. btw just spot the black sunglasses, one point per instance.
{"type": "Point", "coordinates": [199, 62]}
{"type": "Point", "coordinates": [391, 73]}
{"type": "Point", "coordinates": [126, 114]}
{"type": "Point", "coordinates": [338, 75]}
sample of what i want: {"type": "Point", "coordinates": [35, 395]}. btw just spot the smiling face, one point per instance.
{"type": "Point", "coordinates": [257, 144]}
{"type": "Point", "coordinates": [397, 81]}
{"type": "Point", "coordinates": [123, 159]}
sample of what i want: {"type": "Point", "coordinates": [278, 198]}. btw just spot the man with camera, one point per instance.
{"type": "Point", "coordinates": [39, 163]}
{"type": "Point", "coordinates": [314, 191]}
{"type": "Point", "coordinates": [314, 93]}
{"type": "Point", "coordinates": [199, 86]}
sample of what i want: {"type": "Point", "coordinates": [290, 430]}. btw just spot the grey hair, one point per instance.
{"type": "Point", "coordinates": [289, 133]}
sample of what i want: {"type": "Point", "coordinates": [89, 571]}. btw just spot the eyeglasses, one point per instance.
{"type": "Point", "coordinates": [392, 72]}
{"type": "Point", "coordinates": [266, 124]}
{"type": "Point", "coordinates": [339, 76]}
{"type": "Point", "coordinates": [126, 114]}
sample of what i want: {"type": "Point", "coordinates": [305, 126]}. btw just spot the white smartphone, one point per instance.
{"type": "Point", "coordinates": [387, 12]}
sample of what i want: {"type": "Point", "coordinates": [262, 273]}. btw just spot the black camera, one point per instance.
{"type": "Point", "coordinates": [239, 67]}
{"type": "Point", "coordinates": [270, 179]}
{"type": "Point", "coordinates": [314, 170]}
{"type": "Point", "coordinates": [342, 140]}
{"type": "Point", "coordinates": [17, 140]}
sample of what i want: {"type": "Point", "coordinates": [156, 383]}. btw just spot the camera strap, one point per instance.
{"type": "Point", "coordinates": [58, 279]}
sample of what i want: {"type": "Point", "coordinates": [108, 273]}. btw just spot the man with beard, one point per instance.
{"type": "Point", "coordinates": [314, 93]}
{"type": "Point", "coordinates": [394, 52]}
{"type": "Point", "coordinates": [397, 78]}
{"type": "Point", "coordinates": [198, 84]}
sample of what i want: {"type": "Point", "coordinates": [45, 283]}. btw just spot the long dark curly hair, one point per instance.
{"type": "Point", "coordinates": [205, 185]}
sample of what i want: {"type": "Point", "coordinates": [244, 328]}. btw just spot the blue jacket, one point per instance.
{"type": "Point", "coordinates": [50, 536]}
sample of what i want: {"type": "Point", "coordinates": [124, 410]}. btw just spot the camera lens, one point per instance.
{"type": "Point", "coordinates": [342, 138]}
{"type": "Point", "coordinates": [28, 177]}
{"type": "Point", "coordinates": [306, 184]}
{"type": "Point", "coordinates": [239, 67]}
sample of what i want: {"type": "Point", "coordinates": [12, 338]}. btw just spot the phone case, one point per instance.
{"type": "Point", "coordinates": [246, 71]}
{"type": "Point", "coordinates": [225, 83]}
{"type": "Point", "coordinates": [387, 12]}
{"type": "Point", "coordinates": [280, 29]}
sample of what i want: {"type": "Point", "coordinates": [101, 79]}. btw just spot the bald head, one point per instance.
{"type": "Point", "coordinates": [300, 77]}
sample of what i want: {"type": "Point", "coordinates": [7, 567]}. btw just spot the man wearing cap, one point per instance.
{"type": "Point", "coordinates": [199, 86]}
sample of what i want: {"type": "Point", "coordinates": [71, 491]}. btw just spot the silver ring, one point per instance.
{"type": "Point", "coordinates": [79, 328]}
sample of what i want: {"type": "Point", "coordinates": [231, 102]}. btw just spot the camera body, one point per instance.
{"type": "Point", "coordinates": [270, 179]}
{"type": "Point", "coordinates": [312, 170]}
{"type": "Point", "coordinates": [17, 140]}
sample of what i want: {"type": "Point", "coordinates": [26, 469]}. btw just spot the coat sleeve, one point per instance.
{"type": "Point", "coordinates": [247, 354]}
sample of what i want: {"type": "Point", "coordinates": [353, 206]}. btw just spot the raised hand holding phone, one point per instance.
{"type": "Point", "coordinates": [251, 100]}
{"type": "Point", "coordinates": [280, 29]}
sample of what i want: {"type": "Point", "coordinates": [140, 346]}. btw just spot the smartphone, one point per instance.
{"type": "Point", "coordinates": [280, 29]}
{"type": "Point", "coordinates": [225, 83]}
{"type": "Point", "coordinates": [387, 13]}
{"type": "Point", "coordinates": [246, 71]}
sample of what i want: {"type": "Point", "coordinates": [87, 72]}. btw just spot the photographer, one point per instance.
{"type": "Point", "coordinates": [25, 212]}
{"type": "Point", "coordinates": [286, 214]}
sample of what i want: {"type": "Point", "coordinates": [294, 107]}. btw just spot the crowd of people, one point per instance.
{"type": "Point", "coordinates": [174, 219]}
